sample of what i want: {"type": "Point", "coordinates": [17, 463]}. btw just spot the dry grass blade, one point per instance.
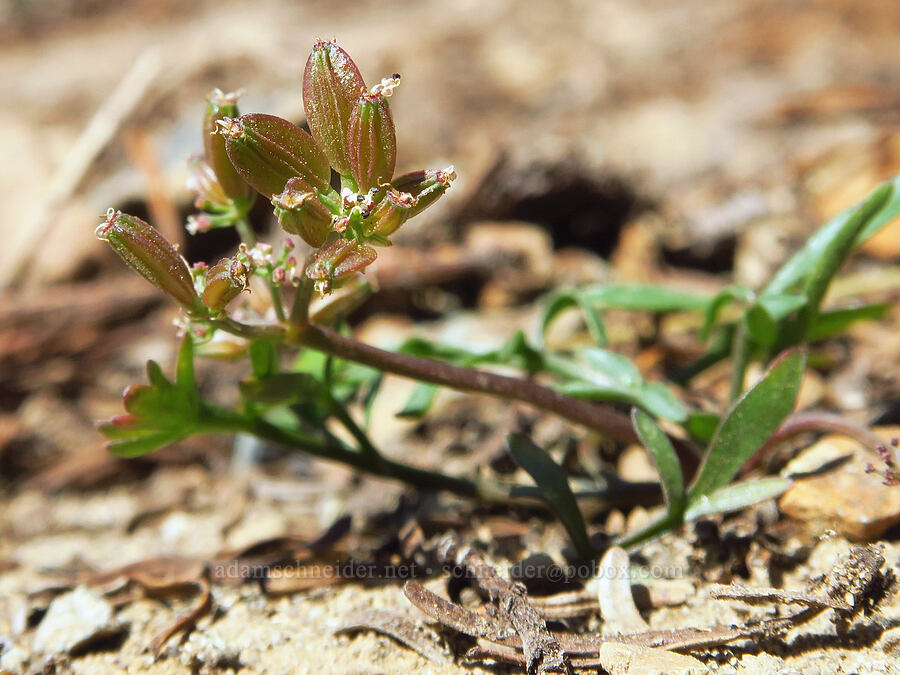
{"type": "Point", "coordinates": [415, 636]}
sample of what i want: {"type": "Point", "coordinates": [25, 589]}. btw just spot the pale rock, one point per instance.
{"type": "Point", "coordinates": [622, 659]}
{"type": "Point", "coordinates": [845, 499]}
{"type": "Point", "coordinates": [73, 621]}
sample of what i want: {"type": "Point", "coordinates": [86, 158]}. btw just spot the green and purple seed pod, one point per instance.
{"type": "Point", "coordinates": [225, 280]}
{"type": "Point", "coordinates": [268, 151]}
{"type": "Point", "coordinates": [149, 254]}
{"type": "Point", "coordinates": [338, 259]}
{"type": "Point", "coordinates": [425, 186]}
{"type": "Point", "coordinates": [373, 142]}
{"type": "Point", "coordinates": [331, 87]}
{"type": "Point", "coordinates": [300, 212]}
{"type": "Point", "coordinates": [220, 106]}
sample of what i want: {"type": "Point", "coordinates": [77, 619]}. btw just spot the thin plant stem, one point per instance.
{"type": "Point", "coordinates": [300, 308]}
{"type": "Point", "coordinates": [345, 418]}
{"type": "Point", "coordinates": [245, 232]}
{"type": "Point", "coordinates": [602, 418]}
{"type": "Point", "coordinates": [740, 359]}
{"type": "Point", "coordinates": [814, 421]}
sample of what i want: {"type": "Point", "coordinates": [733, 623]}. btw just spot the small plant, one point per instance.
{"type": "Point", "coordinates": [306, 373]}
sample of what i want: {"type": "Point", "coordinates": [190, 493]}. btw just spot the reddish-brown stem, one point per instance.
{"type": "Point", "coordinates": [602, 418]}
{"type": "Point", "coordinates": [812, 421]}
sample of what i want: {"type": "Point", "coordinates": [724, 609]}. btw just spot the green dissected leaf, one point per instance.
{"type": "Point", "coordinates": [737, 496]}
{"type": "Point", "coordinates": [263, 358]}
{"type": "Point", "coordinates": [734, 293]}
{"type": "Point", "coordinates": [420, 402]}
{"type": "Point", "coordinates": [633, 297]}
{"type": "Point", "coordinates": [156, 377]}
{"type": "Point", "coordinates": [599, 375]}
{"type": "Point", "coordinates": [836, 321]}
{"type": "Point", "coordinates": [702, 426]}
{"type": "Point", "coordinates": [164, 411]}
{"type": "Point", "coordinates": [765, 315]}
{"type": "Point", "coordinates": [666, 460]}
{"type": "Point", "coordinates": [554, 486]}
{"type": "Point", "coordinates": [748, 424]}
{"type": "Point", "coordinates": [139, 445]}
{"type": "Point", "coordinates": [281, 388]}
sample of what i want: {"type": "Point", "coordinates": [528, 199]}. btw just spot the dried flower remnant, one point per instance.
{"type": "Point", "coordinates": [148, 253]}
{"type": "Point", "coordinates": [202, 180]}
{"type": "Point", "coordinates": [889, 470]}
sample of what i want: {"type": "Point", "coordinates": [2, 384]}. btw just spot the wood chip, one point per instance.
{"type": "Point", "coordinates": [620, 614]}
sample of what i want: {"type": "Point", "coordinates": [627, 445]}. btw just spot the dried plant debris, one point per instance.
{"type": "Point", "coordinates": [414, 635]}
{"type": "Point", "coordinates": [510, 627]}
{"type": "Point", "coordinates": [855, 585]}
{"type": "Point", "coordinates": [542, 651]}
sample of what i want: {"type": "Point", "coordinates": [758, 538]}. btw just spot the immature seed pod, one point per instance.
{"type": "Point", "coordinates": [331, 87]}
{"type": "Point", "coordinates": [202, 180]}
{"type": "Point", "coordinates": [225, 280]}
{"type": "Point", "coordinates": [390, 213]}
{"type": "Point", "coordinates": [219, 106]}
{"type": "Point", "coordinates": [148, 253]}
{"type": "Point", "coordinates": [425, 186]}
{"type": "Point", "coordinates": [268, 151]}
{"type": "Point", "coordinates": [300, 212]}
{"type": "Point", "coordinates": [373, 143]}
{"type": "Point", "coordinates": [338, 259]}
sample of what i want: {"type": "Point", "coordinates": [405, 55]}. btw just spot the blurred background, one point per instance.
{"type": "Point", "coordinates": [674, 141]}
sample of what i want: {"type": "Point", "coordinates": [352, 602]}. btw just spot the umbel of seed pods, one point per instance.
{"type": "Point", "coordinates": [352, 132]}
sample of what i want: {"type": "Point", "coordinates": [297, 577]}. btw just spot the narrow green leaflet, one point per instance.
{"type": "Point", "coordinates": [764, 317]}
{"type": "Point", "coordinates": [734, 293]}
{"type": "Point", "coordinates": [420, 401]}
{"type": "Point", "coordinates": [166, 411]}
{"type": "Point", "coordinates": [562, 301]}
{"type": "Point", "coordinates": [879, 208]}
{"type": "Point", "coordinates": [263, 357]}
{"type": "Point", "coordinates": [281, 388]}
{"type": "Point", "coordinates": [832, 258]}
{"type": "Point", "coordinates": [633, 297]}
{"type": "Point", "coordinates": [666, 460]}
{"type": "Point", "coordinates": [554, 486]}
{"type": "Point", "coordinates": [738, 496]}
{"type": "Point", "coordinates": [702, 426]}
{"type": "Point", "coordinates": [836, 321]}
{"type": "Point", "coordinates": [599, 375]}
{"type": "Point", "coordinates": [748, 424]}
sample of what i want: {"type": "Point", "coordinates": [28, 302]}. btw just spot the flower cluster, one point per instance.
{"type": "Point", "coordinates": [352, 134]}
